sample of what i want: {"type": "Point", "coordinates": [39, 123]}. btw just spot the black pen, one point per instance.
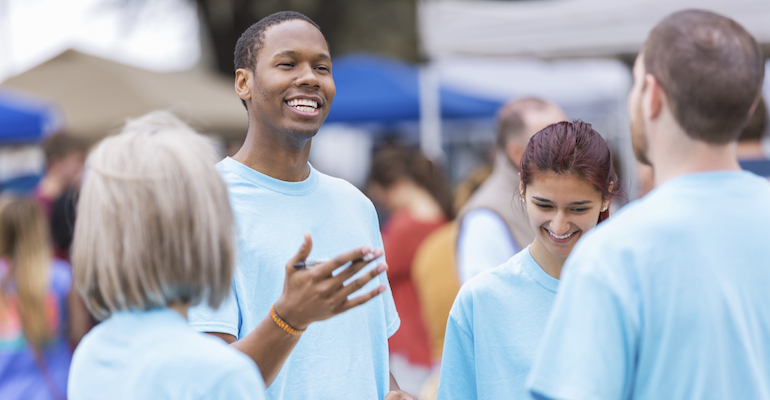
{"type": "Point", "coordinates": [308, 264]}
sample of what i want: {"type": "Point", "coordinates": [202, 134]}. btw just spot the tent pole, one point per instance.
{"type": "Point", "coordinates": [430, 113]}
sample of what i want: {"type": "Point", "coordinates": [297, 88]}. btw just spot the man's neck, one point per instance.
{"type": "Point", "coordinates": [280, 158]}
{"type": "Point", "coordinates": [683, 155]}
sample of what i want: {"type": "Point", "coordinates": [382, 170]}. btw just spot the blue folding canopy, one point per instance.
{"type": "Point", "coordinates": [376, 89]}
{"type": "Point", "coordinates": [23, 120]}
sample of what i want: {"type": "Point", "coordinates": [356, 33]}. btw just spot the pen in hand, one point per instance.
{"type": "Point", "coordinates": [310, 263]}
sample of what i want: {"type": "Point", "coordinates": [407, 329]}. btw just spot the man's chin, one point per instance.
{"type": "Point", "coordinates": [306, 132]}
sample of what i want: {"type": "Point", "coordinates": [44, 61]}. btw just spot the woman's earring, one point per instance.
{"type": "Point", "coordinates": [604, 209]}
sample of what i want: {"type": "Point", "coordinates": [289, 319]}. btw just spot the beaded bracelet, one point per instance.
{"type": "Point", "coordinates": [283, 324]}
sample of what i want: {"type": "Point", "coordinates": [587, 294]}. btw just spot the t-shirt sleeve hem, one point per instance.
{"type": "Point", "coordinates": [217, 328]}
{"type": "Point", "coordinates": [393, 327]}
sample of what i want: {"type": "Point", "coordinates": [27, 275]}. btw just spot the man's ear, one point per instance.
{"type": "Point", "coordinates": [655, 96]}
{"type": "Point", "coordinates": [243, 79]}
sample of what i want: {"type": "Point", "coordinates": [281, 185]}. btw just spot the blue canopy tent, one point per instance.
{"type": "Point", "coordinates": [23, 120]}
{"type": "Point", "coordinates": [376, 89]}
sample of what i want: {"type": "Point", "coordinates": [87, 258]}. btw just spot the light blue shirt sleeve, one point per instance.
{"type": "Point", "coordinates": [458, 361]}
{"type": "Point", "coordinates": [588, 351]}
{"type": "Point", "coordinates": [225, 319]}
{"type": "Point", "coordinates": [484, 242]}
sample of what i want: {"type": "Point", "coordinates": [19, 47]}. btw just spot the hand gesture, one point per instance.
{"type": "Point", "coordinates": [315, 294]}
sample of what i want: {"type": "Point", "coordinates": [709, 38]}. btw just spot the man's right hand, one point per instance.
{"type": "Point", "coordinates": [315, 294]}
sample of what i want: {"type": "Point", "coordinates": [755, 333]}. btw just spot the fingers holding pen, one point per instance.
{"type": "Point", "coordinates": [312, 291]}
{"type": "Point", "coordinates": [302, 253]}
{"type": "Point", "coordinates": [358, 258]}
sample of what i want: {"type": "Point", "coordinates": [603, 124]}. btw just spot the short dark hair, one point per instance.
{"type": "Point", "coordinates": [252, 39]}
{"type": "Point", "coordinates": [711, 70]}
{"type": "Point", "coordinates": [757, 126]}
{"type": "Point", "coordinates": [60, 145]}
{"type": "Point", "coordinates": [511, 118]}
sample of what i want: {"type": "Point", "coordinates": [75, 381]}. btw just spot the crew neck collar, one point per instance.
{"type": "Point", "coordinates": [537, 273]}
{"type": "Point", "coordinates": [290, 188]}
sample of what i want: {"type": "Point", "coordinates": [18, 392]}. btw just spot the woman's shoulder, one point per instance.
{"type": "Point", "coordinates": [166, 343]}
{"type": "Point", "coordinates": [204, 361]}
{"type": "Point", "coordinates": [159, 358]}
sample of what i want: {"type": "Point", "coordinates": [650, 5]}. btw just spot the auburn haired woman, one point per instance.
{"type": "Point", "coordinates": [567, 182]}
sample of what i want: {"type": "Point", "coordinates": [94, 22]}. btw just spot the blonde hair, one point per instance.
{"type": "Point", "coordinates": [24, 245]}
{"type": "Point", "coordinates": [154, 225]}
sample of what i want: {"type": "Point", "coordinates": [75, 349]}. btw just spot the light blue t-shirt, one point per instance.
{"type": "Point", "coordinates": [669, 299]}
{"type": "Point", "coordinates": [493, 331]}
{"type": "Point", "coordinates": [345, 357]}
{"type": "Point", "coordinates": [156, 355]}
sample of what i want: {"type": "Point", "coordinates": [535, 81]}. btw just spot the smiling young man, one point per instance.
{"type": "Point", "coordinates": [284, 77]}
{"type": "Point", "coordinates": [668, 299]}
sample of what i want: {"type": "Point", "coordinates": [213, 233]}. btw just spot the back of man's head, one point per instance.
{"type": "Point", "coordinates": [57, 147]}
{"type": "Point", "coordinates": [711, 70]}
{"type": "Point", "coordinates": [518, 120]}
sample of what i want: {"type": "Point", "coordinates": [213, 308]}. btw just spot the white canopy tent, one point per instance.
{"type": "Point", "coordinates": [500, 49]}
{"type": "Point", "coordinates": [562, 28]}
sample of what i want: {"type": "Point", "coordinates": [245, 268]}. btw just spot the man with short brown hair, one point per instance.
{"type": "Point", "coordinates": [668, 299]}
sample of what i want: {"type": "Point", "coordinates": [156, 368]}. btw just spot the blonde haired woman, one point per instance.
{"type": "Point", "coordinates": [154, 236]}
{"type": "Point", "coordinates": [34, 352]}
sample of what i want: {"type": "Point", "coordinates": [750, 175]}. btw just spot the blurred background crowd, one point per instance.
{"type": "Point", "coordinates": [415, 123]}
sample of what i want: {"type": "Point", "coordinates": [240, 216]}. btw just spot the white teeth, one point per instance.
{"type": "Point", "coordinates": [560, 237]}
{"type": "Point", "coordinates": [302, 102]}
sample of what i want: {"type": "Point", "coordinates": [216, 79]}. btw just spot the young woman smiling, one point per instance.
{"type": "Point", "coordinates": [567, 183]}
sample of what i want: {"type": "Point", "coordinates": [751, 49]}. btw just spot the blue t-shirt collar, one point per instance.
{"type": "Point", "coordinates": [290, 188]}
{"type": "Point", "coordinates": [536, 272]}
